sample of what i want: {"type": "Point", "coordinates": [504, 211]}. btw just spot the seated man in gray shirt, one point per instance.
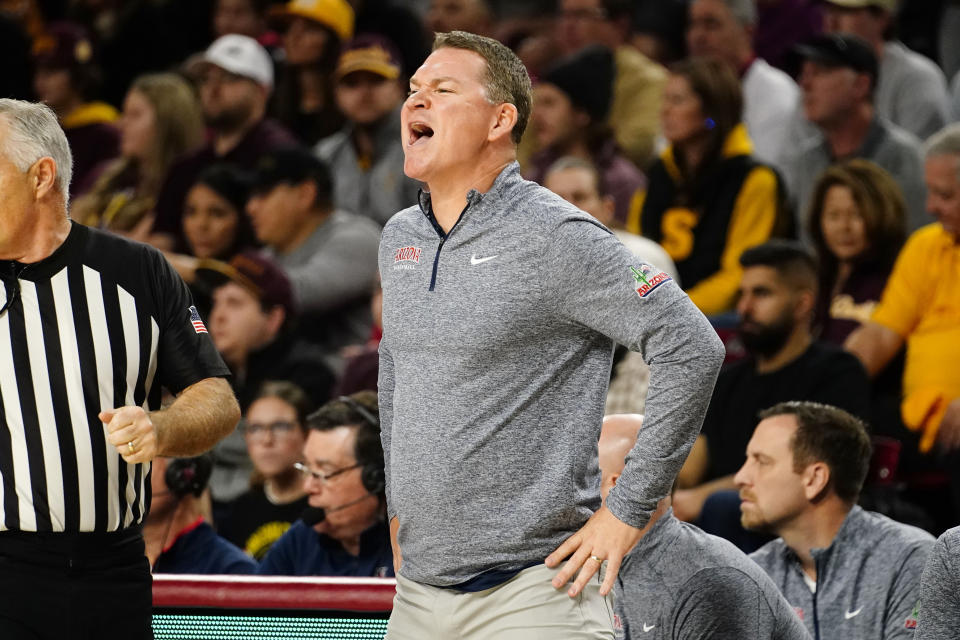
{"type": "Point", "coordinates": [838, 84]}
{"type": "Point", "coordinates": [847, 572]}
{"type": "Point", "coordinates": [329, 255]}
{"type": "Point", "coordinates": [366, 156]}
{"type": "Point", "coordinates": [679, 582]}
{"type": "Point", "coordinates": [940, 589]}
{"type": "Point", "coordinates": [911, 89]}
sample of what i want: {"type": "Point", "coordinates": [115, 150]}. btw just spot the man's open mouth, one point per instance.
{"type": "Point", "coordinates": [418, 132]}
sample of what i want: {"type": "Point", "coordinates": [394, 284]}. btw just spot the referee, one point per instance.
{"type": "Point", "coordinates": [91, 327]}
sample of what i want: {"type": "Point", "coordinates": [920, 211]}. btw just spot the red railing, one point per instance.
{"type": "Point", "coordinates": [256, 592]}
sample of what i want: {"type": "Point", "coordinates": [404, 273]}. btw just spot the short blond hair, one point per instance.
{"type": "Point", "coordinates": [506, 79]}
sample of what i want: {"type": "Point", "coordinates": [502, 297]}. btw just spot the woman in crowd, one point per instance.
{"type": "Point", "coordinates": [215, 221]}
{"type": "Point", "coordinates": [857, 221]}
{"type": "Point", "coordinates": [275, 431]}
{"type": "Point", "coordinates": [858, 224]}
{"type": "Point", "coordinates": [312, 36]}
{"type": "Point", "coordinates": [708, 199]}
{"type": "Point", "coordinates": [161, 120]}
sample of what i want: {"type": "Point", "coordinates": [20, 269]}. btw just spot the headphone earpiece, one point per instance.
{"type": "Point", "coordinates": [186, 476]}
{"type": "Point", "coordinates": [373, 478]}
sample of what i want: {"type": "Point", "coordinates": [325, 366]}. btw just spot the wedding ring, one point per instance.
{"type": "Point", "coordinates": [130, 447]}
{"type": "Point", "coordinates": [597, 559]}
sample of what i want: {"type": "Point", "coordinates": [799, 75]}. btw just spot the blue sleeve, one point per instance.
{"type": "Point", "coordinates": [239, 563]}
{"type": "Point", "coordinates": [279, 559]}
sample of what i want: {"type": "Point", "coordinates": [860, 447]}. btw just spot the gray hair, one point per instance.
{"type": "Point", "coordinates": [33, 132]}
{"type": "Point", "coordinates": [945, 142]}
{"type": "Point", "coordinates": [506, 79]}
{"type": "Point", "coordinates": [574, 162]}
{"type": "Point", "coordinates": [745, 11]}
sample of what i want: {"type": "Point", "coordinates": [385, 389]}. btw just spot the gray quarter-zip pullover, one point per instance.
{"type": "Point", "coordinates": [940, 590]}
{"type": "Point", "coordinates": [494, 365]}
{"type": "Point", "coordinates": [680, 583]}
{"type": "Point", "coordinates": [868, 579]}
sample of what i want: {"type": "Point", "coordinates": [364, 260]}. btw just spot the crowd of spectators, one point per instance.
{"type": "Point", "coordinates": [791, 163]}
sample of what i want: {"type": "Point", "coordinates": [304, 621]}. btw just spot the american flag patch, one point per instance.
{"type": "Point", "coordinates": [198, 325]}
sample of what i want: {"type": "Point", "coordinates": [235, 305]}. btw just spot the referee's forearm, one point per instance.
{"type": "Point", "coordinates": [203, 414]}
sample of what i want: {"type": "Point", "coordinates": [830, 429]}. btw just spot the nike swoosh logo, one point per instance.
{"type": "Point", "coordinates": [474, 260]}
{"type": "Point", "coordinates": [647, 629]}
{"type": "Point", "coordinates": [849, 614]}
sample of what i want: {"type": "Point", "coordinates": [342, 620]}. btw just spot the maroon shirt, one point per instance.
{"type": "Point", "coordinates": [265, 136]}
{"type": "Point", "coordinates": [839, 315]}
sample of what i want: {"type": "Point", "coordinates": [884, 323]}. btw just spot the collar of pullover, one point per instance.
{"type": "Point", "coordinates": [509, 177]}
{"type": "Point", "coordinates": [850, 529]}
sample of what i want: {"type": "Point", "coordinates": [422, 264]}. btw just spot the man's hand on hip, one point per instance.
{"type": "Point", "coordinates": [603, 538]}
{"type": "Point", "coordinates": [132, 432]}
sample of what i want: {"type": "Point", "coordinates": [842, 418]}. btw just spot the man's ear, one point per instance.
{"type": "Point", "coordinates": [862, 84]}
{"type": "Point", "coordinates": [43, 177]}
{"type": "Point", "coordinates": [504, 122]}
{"type": "Point", "coordinates": [275, 319]}
{"type": "Point", "coordinates": [816, 479]}
{"type": "Point", "coordinates": [806, 301]}
{"type": "Point", "coordinates": [306, 194]}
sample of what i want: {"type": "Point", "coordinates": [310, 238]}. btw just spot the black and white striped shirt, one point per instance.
{"type": "Point", "coordinates": [99, 324]}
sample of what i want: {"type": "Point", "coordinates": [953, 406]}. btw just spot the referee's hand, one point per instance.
{"type": "Point", "coordinates": [604, 538]}
{"type": "Point", "coordinates": [132, 432]}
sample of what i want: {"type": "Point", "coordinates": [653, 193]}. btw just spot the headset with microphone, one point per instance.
{"type": "Point", "coordinates": [372, 474]}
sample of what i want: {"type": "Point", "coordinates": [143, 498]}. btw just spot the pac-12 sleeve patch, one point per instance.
{"type": "Point", "coordinates": [648, 278]}
{"type": "Point", "coordinates": [195, 320]}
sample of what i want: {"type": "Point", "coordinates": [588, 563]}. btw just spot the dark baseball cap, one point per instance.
{"type": "Point", "coordinates": [291, 165]}
{"type": "Point", "coordinates": [64, 45]}
{"type": "Point", "coordinates": [256, 273]}
{"type": "Point", "coordinates": [840, 50]}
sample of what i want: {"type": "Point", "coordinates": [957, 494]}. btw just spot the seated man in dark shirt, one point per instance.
{"type": "Point", "coordinates": [178, 538]}
{"type": "Point", "coordinates": [251, 324]}
{"type": "Point", "coordinates": [345, 533]}
{"type": "Point", "coordinates": [776, 300]}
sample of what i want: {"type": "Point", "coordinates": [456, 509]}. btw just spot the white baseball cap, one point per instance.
{"type": "Point", "coordinates": [243, 56]}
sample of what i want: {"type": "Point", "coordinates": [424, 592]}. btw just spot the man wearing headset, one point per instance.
{"type": "Point", "coordinates": [178, 538]}
{"type": "Point", "coordinates": [345, 531]}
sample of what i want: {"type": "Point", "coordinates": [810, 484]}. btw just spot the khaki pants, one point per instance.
{"type": "Point", "coordinates": [526, 607]}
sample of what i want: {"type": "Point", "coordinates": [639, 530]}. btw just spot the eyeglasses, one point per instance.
{"type": "Point", "coordinates": [276, 429]}
{"type": "Point", "coordinates": [322, 478]}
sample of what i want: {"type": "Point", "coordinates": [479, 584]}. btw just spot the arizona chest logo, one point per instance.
{"type": "Point", "coordinates": [648, 278]}
{"type": "Point", "coordinates": [406, 258]}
